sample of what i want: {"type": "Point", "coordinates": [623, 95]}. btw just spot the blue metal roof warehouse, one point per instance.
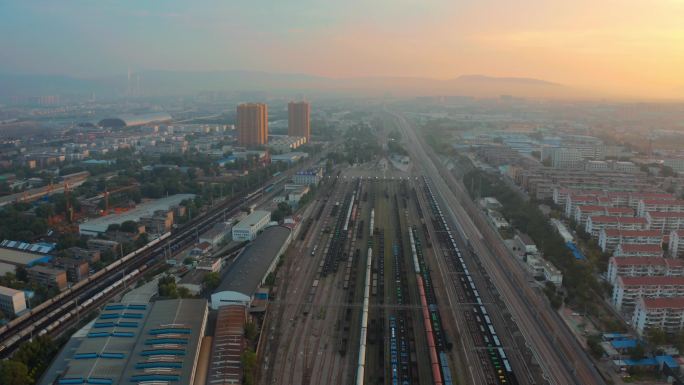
{"type": "Point", "coordinates": [134, 343]}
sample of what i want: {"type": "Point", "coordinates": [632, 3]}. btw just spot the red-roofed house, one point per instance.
{"type": "Point", "coordinates": [638, 250]}
{"type": "Point", "coordinates": [660, 313]}
{"type": "Point", "coordinates": [610, 238]}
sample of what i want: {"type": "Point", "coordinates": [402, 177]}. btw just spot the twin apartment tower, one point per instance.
{"type": "Point", "coordinates": [252, 122]}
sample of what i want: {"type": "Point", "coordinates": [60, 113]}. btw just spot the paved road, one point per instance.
{"type": "Point", "coordinates": [557, 351]}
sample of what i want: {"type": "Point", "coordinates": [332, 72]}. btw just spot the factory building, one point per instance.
{"type": "Point", "coordinates": [10, 259]}
{"type": "Point", "coordinates": [249, 226]}
{"type": "Point", "coordinates": [285, 144]}
{"type": "Point", "coordinates": [308, 177]}
{"type": "Point", "coordinates": [47, 276]}
{"type": "Point", "coordinates": [135, 120]}
{"type": "Point", "coordinates": [135, 344]}
{"type": "Point", "coordinates": [99, 226]}
{"type": "Point", "coordinates": [216, 234]}
{"type": "Point", "coordinates": [244, 277]}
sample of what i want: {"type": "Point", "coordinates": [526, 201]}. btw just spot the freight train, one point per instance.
{"type": "Point", "coordinates": [503, 370]}
{"type": "Point", "coordinates": [102, 274]}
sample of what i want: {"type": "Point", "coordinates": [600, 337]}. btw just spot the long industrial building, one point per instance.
{"type": "Point", "coordinates": [11, 258]}
{"type": "Point", "coordinates": [225, 364]}
{"type": "Point", "coordinates": [248, 272]}
{"type": "Point", "coordinates": [134, 120]}
{"type": "Point", "coordinates": [155, 343]}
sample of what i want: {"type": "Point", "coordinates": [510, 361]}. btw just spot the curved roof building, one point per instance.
{"type": "Point", "coordinates": [129, 120]}
{"type": "Point", "coordinates": [244, 277]}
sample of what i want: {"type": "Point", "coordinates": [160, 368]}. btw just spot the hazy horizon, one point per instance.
{"type": "Point", "coordinates": [625, 49]}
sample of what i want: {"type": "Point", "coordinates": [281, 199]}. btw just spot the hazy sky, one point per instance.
{"type": "Point", "coordinates": [634, 47]}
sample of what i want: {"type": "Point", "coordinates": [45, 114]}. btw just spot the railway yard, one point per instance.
{"type": "Point", "coordinates": [378, 289]}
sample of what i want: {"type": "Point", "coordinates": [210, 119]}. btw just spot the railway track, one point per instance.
{"type": "Point", "coordinates": [81, 297]}
{"type": "Point", "coordinates": [479, 321]}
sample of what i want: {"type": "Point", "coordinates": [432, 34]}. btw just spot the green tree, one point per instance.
{"type": "Point", "coordinates": [36, 355]}
{"type": "Point", "coordinates": [679, 341]}
{"type": "Point", "coordinates": [270, 279]}
{"type": "Point", "coordinates": [14, 373]}
{"type": "Point", "coordinates": [129, 227]}
{"type": "Point", "coordinates": [22, 274]}
{"type": "Point", "coordinates": [251, 331]}
{"type": "Point", "coordinates": [212, 280]}
{"type": "Point", "coordinates": [183, 292]}
{"type": "Point", "coordinates": [657, 336]}
{"type": "Point", "coordinates": [638, 352]}
{"type": "Point", "coordinates": [45, 210]}
{"type": "Point", "coordinates": [249, 362]}
{"type": "Point", "coordinates": [167, 287]}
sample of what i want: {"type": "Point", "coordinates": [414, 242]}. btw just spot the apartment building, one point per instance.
{"type": "Point", "coordinates": [634, 199]}
{"type": "Point", "coordinates": [627, 167]}
{"type": "Point", "coordinates": [638, 250]}
{"type": "Point", "coordinates": [674, 249]}
{"type": "Point", "coordinates": [47, 276]}
{"type": "Point", "coordinates": [643, 267]}
{"type": "Point", "coordinates": [561, 194]}
{"type": "Point", "coordinates": [597, 165]}
{"type": "Point", "coordinates": [665, 221]}
{"type": "Point", "coordinates": [628, 290]}
{"type": "Point", "coordinates": [567, 158]}
{"type": "Point", "coordinates": [583, 212]}
{"type": "Point", "coordinates": [610, 238]}
{"type": "Point", "coordinates": [660, 313]}
{"type": "Point", "coordinates": [646, 205]}
{"type": "Point", "coordinates": [158, 222]}
{"type": "Point", "coordinates": [76, 269]}
{"type": "Point", "coordinates": [573, 201]}
{"type": "Point", "coordinates": [625, 198]}
{"type": "Point", "coordinates": [595, 224]}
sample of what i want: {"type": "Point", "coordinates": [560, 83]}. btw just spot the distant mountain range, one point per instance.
{"type": "Point", "coordinates": [171, 83]}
